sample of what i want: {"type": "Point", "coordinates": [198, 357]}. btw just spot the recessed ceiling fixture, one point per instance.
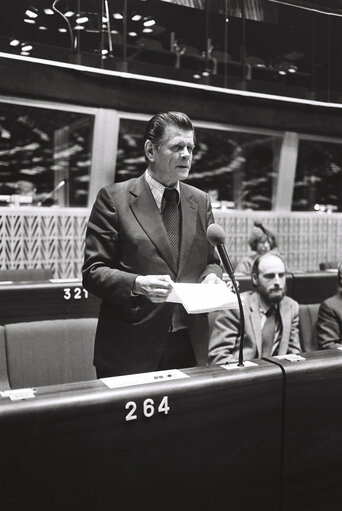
{"type": "Point", "coordinates": [149, 23]}
{"type": "Point", "coordinates": [82, 19]}
{"type": "Point", "coordinates": [14, 42]}
{"type": "Point", "coordinates": [32, 12]}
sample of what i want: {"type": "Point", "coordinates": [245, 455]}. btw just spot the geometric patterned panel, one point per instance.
{"type": "Point", "coordinates": [54, 238]}
{"type": "Point", "coordinates": [43, 238]}
{"type": "Point", "coordinates": [304, 239]}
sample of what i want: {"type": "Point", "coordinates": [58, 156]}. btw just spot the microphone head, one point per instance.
{"type": "Point", "coordinates": [215, 234]}
{"type": "Point", "coordinates": [258, 224]}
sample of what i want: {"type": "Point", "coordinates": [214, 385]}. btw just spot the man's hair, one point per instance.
{"type": "Point", "coordinates": [155, 128]}
{"type": "Point", "coordinates": [257, 235]}
{"type": "Point", "coordinates": [256, 262]}
{"type": "Point", "coordinates": [339, 274]}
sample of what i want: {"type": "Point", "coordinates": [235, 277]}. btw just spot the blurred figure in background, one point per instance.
{"type": "Point", "coordinates": [329, 323]}
{"type": "Point", "coordinates": [261, 240]}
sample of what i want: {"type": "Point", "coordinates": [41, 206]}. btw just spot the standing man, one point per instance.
{"type": "Point", "coordinates": [329, 322]}
{"type": "Point", "coordinates": [142, 234]}
{"type": "Point", "coordinates": [271, 318]}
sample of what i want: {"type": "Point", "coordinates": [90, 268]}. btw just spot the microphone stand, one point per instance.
{"type": "Point", "coordinates": [229, 269]}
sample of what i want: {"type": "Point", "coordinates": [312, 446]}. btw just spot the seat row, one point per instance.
{"type": "Point", "coordinates": [50, 352]}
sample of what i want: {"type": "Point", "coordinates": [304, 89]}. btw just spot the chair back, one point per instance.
{"type": "Point", "coordinates": [50, 352]}
{"type": "Point", "coordinates": [308, 314]}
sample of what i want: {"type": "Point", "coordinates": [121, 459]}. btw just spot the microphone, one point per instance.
{"type": "Point", "coordinates": [216, 237]}
{"type": "Point", "coordinates": [265, 231]}
{"type": "Point", "coordinates": [50, 194]}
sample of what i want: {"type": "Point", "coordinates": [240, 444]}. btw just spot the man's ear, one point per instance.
{"type": "Point", "coordinates": [254, 280]}
{"type": "Point", "coordinates": [149, 150]}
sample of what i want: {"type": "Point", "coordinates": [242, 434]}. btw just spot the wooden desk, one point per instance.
{"type": "Point", "coordinates": [312, 432]}
{"type": "Point", "coordinates": [84, 446]}
{"type": "Point", "coordinates": [31, 301]}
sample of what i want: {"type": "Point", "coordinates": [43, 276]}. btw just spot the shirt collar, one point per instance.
{"type": "Point", "coordinates": [157, 188]}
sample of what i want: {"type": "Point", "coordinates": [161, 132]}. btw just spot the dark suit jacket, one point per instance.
{"type": "Point", "coordinates": [223, 346]}
{"type": "Point", "coordinates": [125, 238]}
{"type": "Point", "coordinates": [329, 322]}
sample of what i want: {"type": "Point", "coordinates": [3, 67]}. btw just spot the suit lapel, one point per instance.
{"type": "Point", "coordinates": [146, 212]}
{"type": "Point", "coordinates": [189, 221]}
{"type": "Point", "coordinates": [284, 315]}
{"type": "Point", "coordinates": [255, 322]}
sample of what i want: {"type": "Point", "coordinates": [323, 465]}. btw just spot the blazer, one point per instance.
{"type": "Point", "coordinates": [125, 238]}
{"type": "Point", "coordinates": [223, 344]}
{"type": "Point", "coordinates": [329, 322]}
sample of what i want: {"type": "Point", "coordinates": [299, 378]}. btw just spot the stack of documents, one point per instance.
{"type": "Point", "coordinates": [197, 298]}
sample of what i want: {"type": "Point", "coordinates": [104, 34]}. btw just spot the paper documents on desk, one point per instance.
{"type": "Point", "coordinates": [198, 298]}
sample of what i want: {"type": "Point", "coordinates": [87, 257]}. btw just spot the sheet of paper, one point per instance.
{"type": "Point", "coordinates": [197, 298]}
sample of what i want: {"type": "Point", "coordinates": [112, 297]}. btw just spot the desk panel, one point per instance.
{"type": "Point", "coordinates": [314, 287]}
{"type": "Point", "coordinates": [217, 448]}
{"type": "Point", "coordinates": [46, 300]}
{"type": "Point", "coordinates": [313, 432]}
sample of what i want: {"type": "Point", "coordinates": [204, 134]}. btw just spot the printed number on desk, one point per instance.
{"type": "Point", "coordinates": [76, 293]}
{"type": "Point", "coordinates": [148, 408]}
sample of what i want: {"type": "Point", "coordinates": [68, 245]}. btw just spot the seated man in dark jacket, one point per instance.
{"type": "Point", "coordinates": [271, 318]}
{"type": "Point", "coordinates": [329, 323]}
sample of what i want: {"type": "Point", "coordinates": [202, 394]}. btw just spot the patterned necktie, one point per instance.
{"type": "Point", "coordinates": [171, 219]}
{"type": "Point", "coordinates": [268, 333]}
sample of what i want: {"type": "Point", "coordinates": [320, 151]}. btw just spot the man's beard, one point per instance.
{"type": "Point", "coordinates": [273, 297]}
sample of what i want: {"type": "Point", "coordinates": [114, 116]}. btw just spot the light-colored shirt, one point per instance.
{"type": "Point", "coordinates": [157, 189]}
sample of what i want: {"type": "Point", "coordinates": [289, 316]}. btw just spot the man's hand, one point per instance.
{"type": "Point", "coordinates": [155, 287]}
{"type": "Point", "coordinates": [212, 278]}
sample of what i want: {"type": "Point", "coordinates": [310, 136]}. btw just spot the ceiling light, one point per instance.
{"type": "Point", "coordinates": [48, 11]}
{"type": "Point", "coordinates": [28, 20]}
{"type": "Point", "coordinates": [149, 23]}
{"type": "Point", "coordinates": [82, 19]}
{"type": "Point", "coordinates": [117, 16]}
{"type": "Point", "coordinates": [62, 30]}
{"type": "Point", "coordinates": [14, 42]}
{"type": "Point", "coordinates": [24, 53]}
{"type": "Point", "coordinates": [114, 32]}
{"type": "Point", "coordinates": [26, 47]}
{"type": "Point", "coordinates": [132, 34]}
{"type": "Point", "coordinates": [136, 17]}
{"type": "Point", "coordinates": [41, 27]}
{"type": "Point", "coordinates": [104, 52]}
{"type": "Point", "coordinates": [147, 30]}
{"type": "Point", "coordinates": [282, 72]}
{"type": "Point", "coordinates": [31, 13]}
{"type": "Point", "coordinates": [79, 27]}
{"type": "Point", "coordinates": [104, 19]}
{"type": "Point", "coordinates": [68, 14]}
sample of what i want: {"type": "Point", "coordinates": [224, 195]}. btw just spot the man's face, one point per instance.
{"type": "Point", "coordinates": [270, 283]}
{"type": "Point", "coordinates": [171, 160]}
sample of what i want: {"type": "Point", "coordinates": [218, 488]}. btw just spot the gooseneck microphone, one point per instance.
{"type": "Point", "coordinates": [216, 236]}
{"type": "Point", "coordinates": [265, 231]}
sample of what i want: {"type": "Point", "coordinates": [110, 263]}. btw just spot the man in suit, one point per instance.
{"type": "Point", "coordinates": [271, 318]}
{"type": "Point", "coordinates": [329, 322]}
{"type": "Point", "coordinates": [142, 235]}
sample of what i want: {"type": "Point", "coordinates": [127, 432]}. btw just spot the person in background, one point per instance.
{"type": "Point", "coordinates": [144, 234]}
{"type": "Point", "coordinates": [260, 242]}
{"type": "Point", "coordinates": [329, 322]}
{"type": "Point", "coordinates": [271, 318]}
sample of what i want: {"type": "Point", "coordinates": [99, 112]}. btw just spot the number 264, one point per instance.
{"type": "Point", "coordinates": [149, 408]}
